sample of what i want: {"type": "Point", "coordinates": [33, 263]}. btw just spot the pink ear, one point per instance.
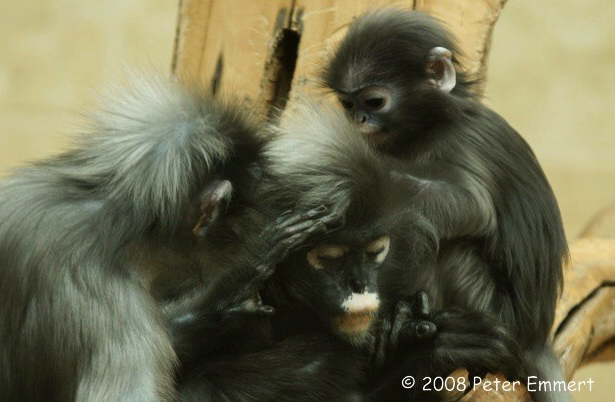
{"type": "Point", "coordinates": [211, 201]}
{"type": "Point", "coordinates": [440, 68]}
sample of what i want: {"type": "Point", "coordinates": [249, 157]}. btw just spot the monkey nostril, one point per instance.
{"type": "Point", "coordinates": [360, 118]}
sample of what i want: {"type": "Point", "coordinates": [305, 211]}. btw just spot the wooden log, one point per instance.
{"type": "Point", "coordinates": [230, 46]}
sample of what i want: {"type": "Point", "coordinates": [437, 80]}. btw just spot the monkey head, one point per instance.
{"type": "Point", "coordinates": [394, 74]}
{"type": "Point", "coordinates": [337, 279]}
{"type": "Point", "coordinates": [318, 158]}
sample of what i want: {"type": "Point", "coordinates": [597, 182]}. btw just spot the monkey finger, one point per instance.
{"type": "Point", "coordinates": [422, 306]}
{"type": "Point", "coordinates": [318, 211]}
{"type": "Point", "coordinates": [298, 227]}
{"type": "Point", "coordinates": [401, 318]}
{"type": "Point", "coordinates": [252, 307]}
{"type": "Point", "coordinates": [293, 238]}
{"type": "Point", "coordinates": [381, 345]}
{"type": "Point", "coordinates": [300, 232]}
{"type": "Point", "coordinates": [334, 220]}
{"type": "Point", "coordinates": [283, 216]}
{"type": "Point", "coordinates": [424, 330]}
{"type": "Point", "coordinates": [265, 310]}
{"type": "Point", "coordinates": [287, 219]}
{"type": "Point", "coordinates": [264, 271]}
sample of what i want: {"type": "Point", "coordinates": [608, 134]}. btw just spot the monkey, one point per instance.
{"type": "Point", "coordinates": [153, 222]}
{"type": "Point", "coordinates": [502, 243]}
{"type": "Point", "coordinates": [107, 246]}
{"type": "Point", "coordinates": [326, 293]}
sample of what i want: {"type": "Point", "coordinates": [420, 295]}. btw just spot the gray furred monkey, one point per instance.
{"type": "Point", "coordinates": [473, 176]}
{"type": "Point", "coordinates": [138, 215]}
{"type": "Point", "coordinates": [360, 339]}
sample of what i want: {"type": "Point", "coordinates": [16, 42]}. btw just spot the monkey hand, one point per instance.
{"type": "Point", "coordinates": [291, 231]}
{"type": "Point", "coordinates": [457, 339]}
{"type": "Point", "coordinates": [280, 238]}
{"type": "Point", "coordinates": [472, 340]}
{"type": "Point", "coordinates": [408, 322]}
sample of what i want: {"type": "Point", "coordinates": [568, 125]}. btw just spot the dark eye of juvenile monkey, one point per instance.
{"type": "Point", "coordinates": [374, 102]}
{"type": "Point", "coordinates": [376, 98]}
{"type": "Point", "coordinates": [347, 104]}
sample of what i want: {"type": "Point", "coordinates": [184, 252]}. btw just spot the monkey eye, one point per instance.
{"type": "Point", "coordinates": [320, 256]}
{"type": "Point", "coordinates": [347, 104]}
{"type": "Point", "coordinates": [378, 249]}
{"type": "Point", "coordinates": [375, 103]}
{"type": "Point", "coordinates": [376, 98]}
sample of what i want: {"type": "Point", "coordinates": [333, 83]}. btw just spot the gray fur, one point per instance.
{"type": "Point", "coordinates": [78, 322]}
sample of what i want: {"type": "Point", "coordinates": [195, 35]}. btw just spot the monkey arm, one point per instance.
{"type": "Point", "coordinates": [227, 313]}
{"type": "Point", "coordinates": [213, 319]}
{"type": "Point", "coordinates": [457, 206]}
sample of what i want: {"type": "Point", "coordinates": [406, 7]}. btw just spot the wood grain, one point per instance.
{"type": "Point", "coordinates": [238, 45]}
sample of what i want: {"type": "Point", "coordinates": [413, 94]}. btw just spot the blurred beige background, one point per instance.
{"type": "Point", "coordinates": [551, 76]}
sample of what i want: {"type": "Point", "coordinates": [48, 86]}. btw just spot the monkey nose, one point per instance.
{"type": "Point", "coordinates": [360, 118]}
{"type": "Point", "coordinates": [357, 285]}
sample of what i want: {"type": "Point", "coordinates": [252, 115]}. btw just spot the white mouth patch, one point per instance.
{"type": "Point", "coordinates": [369, 129]}
{"type": "Point", "coordinates": [361, 302]}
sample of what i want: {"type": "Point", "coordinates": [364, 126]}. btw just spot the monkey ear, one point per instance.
{"type": "Point", "coordinates": [441, 70]}
{"type": "Point", "coordinates": [210, 204]}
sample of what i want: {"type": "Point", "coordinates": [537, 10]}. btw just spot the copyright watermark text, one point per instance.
{"type": "Point", "coordinates": [429, 384]}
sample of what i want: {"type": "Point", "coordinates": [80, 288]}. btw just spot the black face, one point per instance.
{"type": "Point", "coordinates": [373, 109]}
{"type": "Point", "coordinates": [369, 109]}
{"type": "Point", "coordinates": [390, 72]}
{"type": "Point", "coordinates": [342, 273]}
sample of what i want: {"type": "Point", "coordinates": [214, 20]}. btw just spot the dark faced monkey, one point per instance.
{"type": "Point", "coordinates": [337, 333]}
{"type": "Point", "coordinates": [154, 208]}
{"type": "Point", "coordinates": [501, 237]}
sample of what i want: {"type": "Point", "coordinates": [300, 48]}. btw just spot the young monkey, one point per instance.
{"type": "Point", "coordinates": [502, 241]}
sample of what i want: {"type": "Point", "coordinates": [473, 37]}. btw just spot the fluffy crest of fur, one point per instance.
{"type": "Point", "coordinates": [151, 149]}
{"type": "Point", "coordinates": [320, 158]}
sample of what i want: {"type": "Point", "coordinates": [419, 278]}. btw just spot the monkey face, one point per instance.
{"type": "Point", "coordinates": [393, 72]}
{"type": "Point", "coordinates": [348, 271]}
{"type": "Point", "coordinates": [370, 109]}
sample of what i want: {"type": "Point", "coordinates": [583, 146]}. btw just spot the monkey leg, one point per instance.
{"type": "Point", "coordinates": [465, 281]}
